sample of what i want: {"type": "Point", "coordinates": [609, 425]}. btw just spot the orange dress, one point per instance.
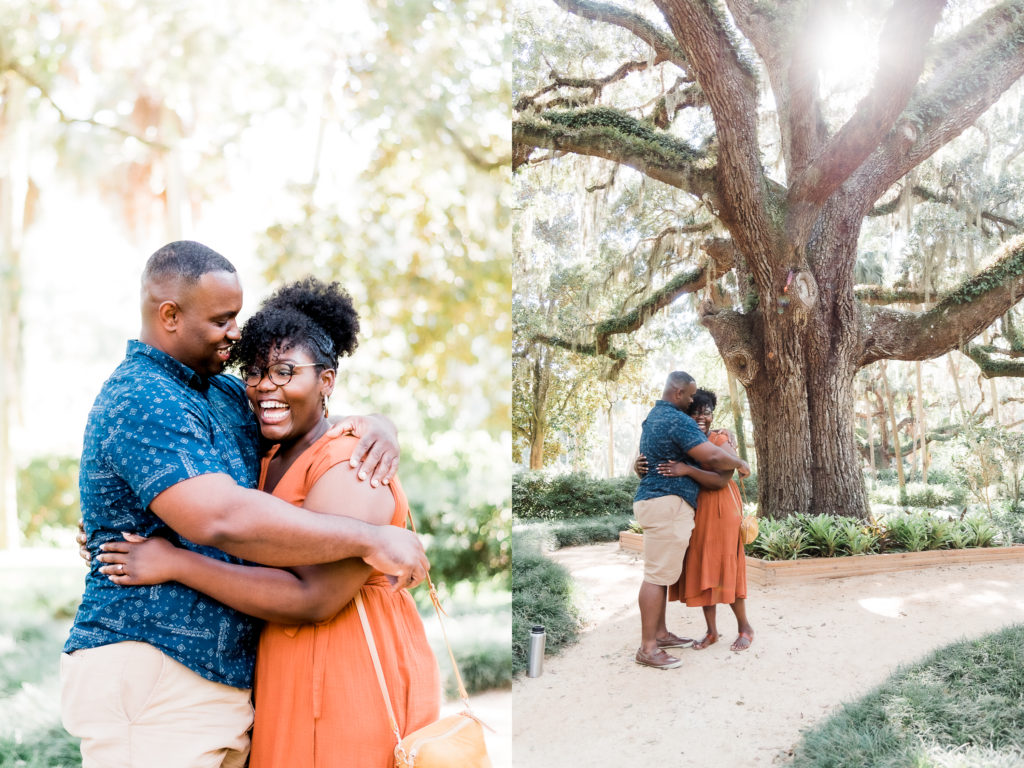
{"type": "Point", "coordinates": [714, 570]}
{"type": "Point", "coordinates": [318, 702]}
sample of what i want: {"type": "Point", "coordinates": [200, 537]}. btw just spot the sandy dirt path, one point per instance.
{"type": "Point", "coordinates": [817, 644]}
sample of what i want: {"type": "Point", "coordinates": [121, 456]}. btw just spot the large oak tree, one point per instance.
{"type": "Point", "coordinates": [791, 237]}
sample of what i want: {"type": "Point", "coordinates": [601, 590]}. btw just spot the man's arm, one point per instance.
{"type": "Point", "coordinates": [711, 456]}
{"type": "Point", "coordinates": [213, 510]}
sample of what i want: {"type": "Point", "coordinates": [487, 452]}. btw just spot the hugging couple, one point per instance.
{"type": "Point", "coordinates": [230, 524]}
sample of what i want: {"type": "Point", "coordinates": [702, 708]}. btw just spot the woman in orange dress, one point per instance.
{"type": "Point", "coordinates": [317, 698]}
{"type": "Point", "coordinates": [714, 570]}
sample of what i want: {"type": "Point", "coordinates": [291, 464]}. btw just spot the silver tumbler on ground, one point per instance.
{"type": "Point", "coordinates": [535, 657]}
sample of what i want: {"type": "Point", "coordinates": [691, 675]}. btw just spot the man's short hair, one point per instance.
{"type": "Point", "coordinates": [679, 379]}
{"type": "Point", "coordinates": [186, 260]}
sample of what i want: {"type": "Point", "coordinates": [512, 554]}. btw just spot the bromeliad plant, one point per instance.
{"type": "Point", "coordinates": [833, 536]}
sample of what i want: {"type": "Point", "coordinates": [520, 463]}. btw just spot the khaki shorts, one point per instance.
{"type": "Point", "coordinates": [667, 522]}
{"type": "Point", "coordinates": [135, 707]}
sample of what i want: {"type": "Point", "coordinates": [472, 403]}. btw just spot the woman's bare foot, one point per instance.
{"type": "Point", "coordinates": [709, 638]}
{"type": "Point", "coordinates": [742, 642]}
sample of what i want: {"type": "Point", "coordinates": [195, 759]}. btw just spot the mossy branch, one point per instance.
{"type": "Point", "coordinates": [876, 295]}
{"type": "Point", "coordinates": [993, 367]}
{"type": "Point", "coordinates": [958, 317]}
{"type": "Point", "coordinates": [616, 136]}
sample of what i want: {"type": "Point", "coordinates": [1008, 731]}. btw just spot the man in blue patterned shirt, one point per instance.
{"type": "Point", "coordinates": [665, 506]}
{"type": "Point", "coordinates": [160, 675]}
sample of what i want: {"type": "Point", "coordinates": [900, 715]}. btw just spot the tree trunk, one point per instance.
{"type": "Point", "coordinates": [537, 450]}
{"type": "Point", "coordinates": [922, 426]}
{"type": "Point", "coordinates": [611, 442]}
{"type": "Point", "coordinates": [781, 440]}
{"type": "Point", "coordinates": [737, 417]}
{"type": "Point", "coordinates": [891, 408]}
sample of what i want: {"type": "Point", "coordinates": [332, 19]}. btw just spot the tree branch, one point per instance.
{"type": "Point", "coordinates": [595, 85]}
{"type": "Point", "coordinates": [992, 367]}
{"type": "Point", "coordinates": [722, 261]}
{"type": "Point", "coordinates": [971, 71]}
{"type": "Point", "coordinates": [901, 59]}
{"type": "Point", "coordinates": [889, 334]}
{"type": "Point", "coordinates": [665, 47]}
{"type": "Point", "coordinates": [784, 42]}
{"type": "Point", "coordinates": [880, 295]}
{"type": "Point", "coordinates": [730, 84]}
{"type": "Point", "coordinates": [613, 135]}
{"type": "Point", "coordinates": [924, 194]}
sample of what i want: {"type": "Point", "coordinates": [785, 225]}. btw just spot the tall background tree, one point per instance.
{"type": "Point", "coordinates": [127, 125]}
{"type": "Point", "coordinates": [794, 168]}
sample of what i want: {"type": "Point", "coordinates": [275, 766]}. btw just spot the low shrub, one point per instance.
{"type": "Point", "coordinates": [544, 594]}
{"type": "Point", "coordinates": [483, 668]}
{"type": "Point", "coordinates": [541, 496]}
{"type": "Point", "coordinates": [574, 533]}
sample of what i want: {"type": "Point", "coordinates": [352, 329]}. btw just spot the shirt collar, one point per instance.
{"type": "Point", "coordinates": [175, 368]}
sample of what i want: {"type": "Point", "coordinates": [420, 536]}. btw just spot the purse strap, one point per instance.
{"type": "Point", "coordinates": [376, 665]}
{"type": "Point", "coordinates": [361, 609]}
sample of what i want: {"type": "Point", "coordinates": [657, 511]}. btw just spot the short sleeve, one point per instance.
{"type": "Point", "coordinates": [330, 453]}
{"type": "Point", "coordinates": [154, 439]}
{"type": "Point", "coordinates": [687, 434]}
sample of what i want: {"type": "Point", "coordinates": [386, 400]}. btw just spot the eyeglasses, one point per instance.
{"type": "Point", "coordinates": [278, 373]}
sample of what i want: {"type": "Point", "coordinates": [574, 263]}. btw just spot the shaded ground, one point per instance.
{"type": "Point", "coordinates": [817, 644]}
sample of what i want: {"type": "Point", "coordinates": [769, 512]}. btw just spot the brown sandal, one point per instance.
{"type": "Point", "coordinates": [750, 640]}
{"type": "Point", "coordinates": [705, 641]}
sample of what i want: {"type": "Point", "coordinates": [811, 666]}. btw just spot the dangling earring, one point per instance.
{"type": "Point", "coordinates": [251, 406]}
{"type": "Point", "coordinates": [323, 402]}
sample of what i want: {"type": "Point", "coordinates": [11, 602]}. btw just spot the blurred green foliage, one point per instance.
{"type": "Point", "coordinates": [47, 496]}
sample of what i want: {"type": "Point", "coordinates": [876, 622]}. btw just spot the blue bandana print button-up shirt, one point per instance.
{"type": "Point", "coordinates": [667, 435]}
{"type": "Point", "coordinates": [154, 424]}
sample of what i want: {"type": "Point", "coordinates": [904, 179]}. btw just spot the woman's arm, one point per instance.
{"type": "Point", "coordinates": [273, 594]}
{"type": "Point", "coordinates": [704, 478]}
{"type": "Point", "coordinates": [303, 594]}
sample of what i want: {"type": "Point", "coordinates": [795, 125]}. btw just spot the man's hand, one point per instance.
{"type": "Point", "coordinates": [744, 470]}
{"type": "Point", "coordinates": [399, 555]}
{"type": "Point", "coordinates": [730, 436]}
{"type": "Point", "coordinates": [640, 465]}
{"type": "Point", "coordinates": [376, 454]}
{"type": "Point", "coordinates": [83, 541]}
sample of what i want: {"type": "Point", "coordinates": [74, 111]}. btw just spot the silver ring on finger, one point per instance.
{"type": "Point", "coordinates": [120, 568]}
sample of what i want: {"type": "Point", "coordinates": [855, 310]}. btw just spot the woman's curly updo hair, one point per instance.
{"type": "Point", "coordinates": [702, 398]}
{"type": "Point", "coordinates": [316, 316]}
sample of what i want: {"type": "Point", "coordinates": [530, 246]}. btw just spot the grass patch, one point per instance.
{"type": "Point", "coordinates": [35, 611]}
{"type": "Point", "coordinates": [961, 706]}
{"type": "Point", "coordinates": [543, 594]}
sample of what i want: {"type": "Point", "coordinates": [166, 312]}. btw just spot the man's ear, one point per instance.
{"type": "Point", "coordinates": [169, 314]}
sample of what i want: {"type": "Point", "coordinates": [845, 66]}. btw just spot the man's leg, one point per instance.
{"type": "Point", "coordinates": [667, 528]}
{"type": "Point", "coordinates": [652, 611]}
{"type": "Point", "coordinates": [133, 706]}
